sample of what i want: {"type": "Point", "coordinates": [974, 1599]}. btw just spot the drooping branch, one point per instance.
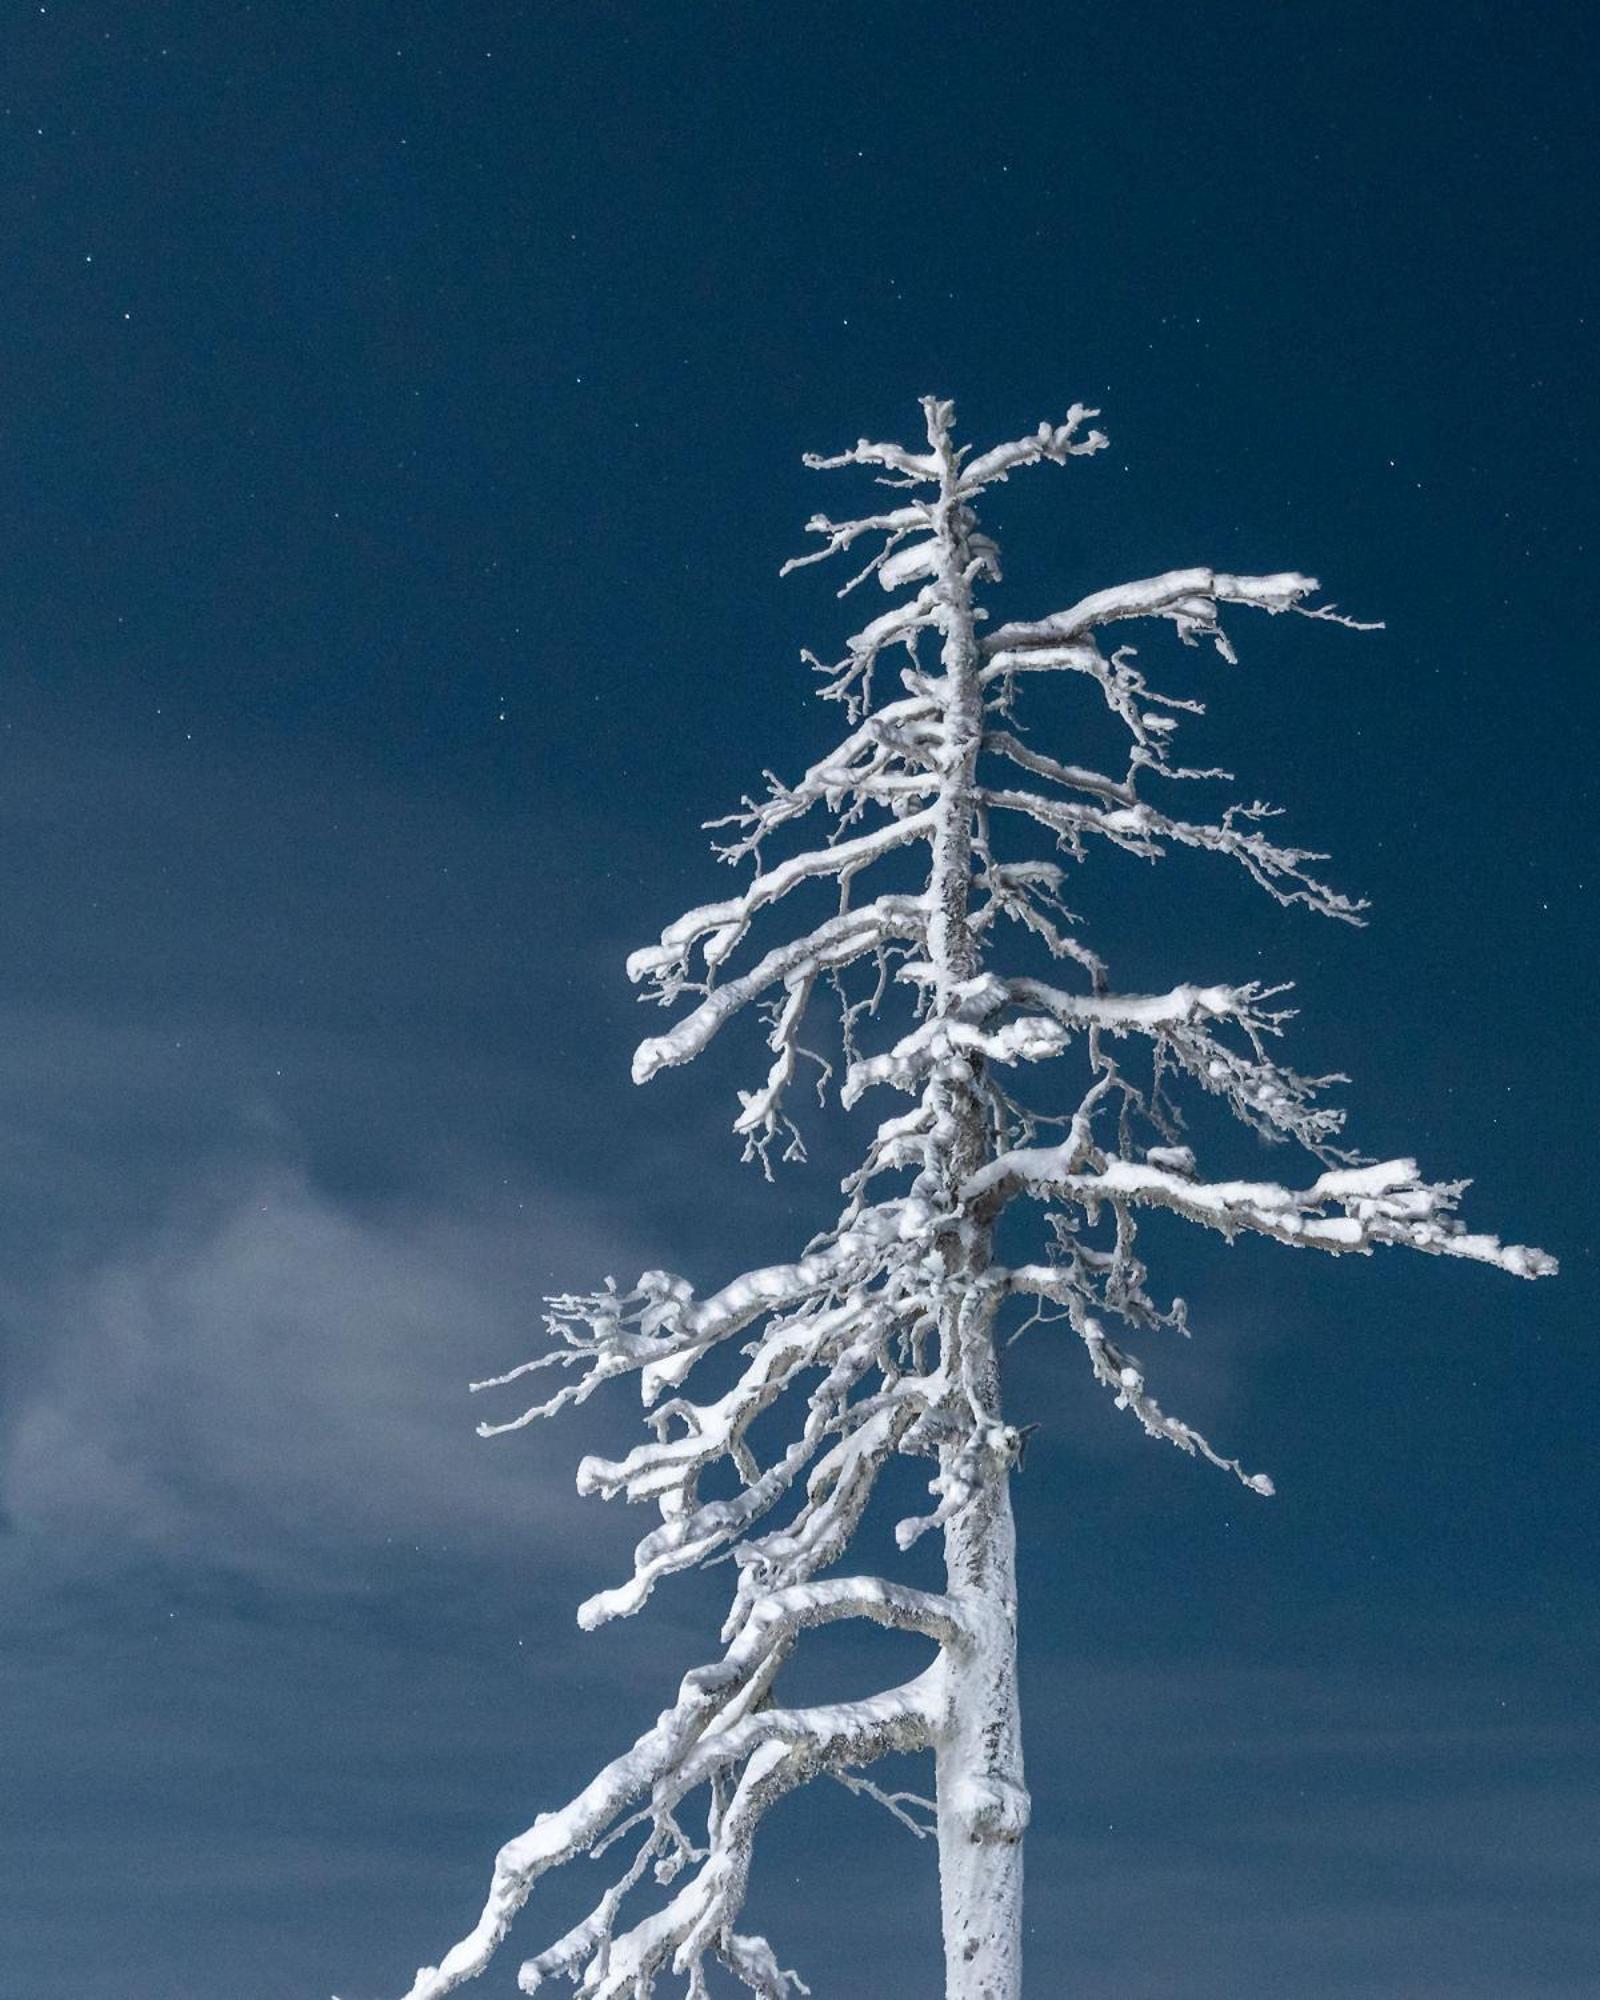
{"type": "Point", "coordinates": [1121, 1373]}
{"type": "Point", "coordinates": [1141, 830]}
{"type": "Point", "coordinates": [1113, 791]}
{"type": "Point", "coordinates": [717, 1724]}
{"type": "Point", "coordinates": [718, 927]}
{"type": "Point", "coordinates": [832, 947]}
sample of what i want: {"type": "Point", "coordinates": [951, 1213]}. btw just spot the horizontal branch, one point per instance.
{"type": "Point", "coordinates": [1382, 1203]}
{"type": "Point", "coordinates": [1146, 1013]}
{"type": "Point", "coordinates": [1189, 597]}
{"type": "Point", "coordinates": [841, 534]}
{"type": "Point", "coordinates": [915, 465]}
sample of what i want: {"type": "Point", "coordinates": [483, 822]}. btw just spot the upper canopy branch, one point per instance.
{"type": "Point", "coordinates": [918, 467]}
{"type": "Point", "coordinates": [842, 534]}
{"type": "Point", "coordinates": [897, 565]}
{"type": "Point", "coordinates": [1055, 442]}
{"type": "Point", "coordinates": [1190, 598]}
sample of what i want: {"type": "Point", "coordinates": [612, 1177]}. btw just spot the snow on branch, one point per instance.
{"type": "Point", "coordinates": [839, 535]}
{"type": "Point", "coordinates": [1121, 1373]}
{"type": "Point", "coordinates": [850, 680]}
{"type": "Point", "coordinates": [1115, 792]}
{"type": "Point", "coordinates": [718, 1729]}
{"type": "Point", "coordinates": [846, 1343]}
{"type": "Point", "coordinates": [718, 927]}
{"type": "Point", "coordinates": [1055, 442]}
{"type": "Point", "coordinates": [919, 468]}
{"type": "Point", "coordinates": [1273, 1100]}
{"type": "Point", "coordinates": [1381, 1203]}
{"type": "Point", "coordinates": [887, 759]}
{"type": "Point", "coordinates": [839, 942]}
{"type": "Point", "coordinates": [1190, 598]}
{"type": "Point", "coordinates": [1141, 829]}
{"type": "Point", "coordinates": [659, 1328]}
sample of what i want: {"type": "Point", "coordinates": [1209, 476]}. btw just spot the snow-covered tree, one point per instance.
{"type": "Point", "coordinates": [879, 1339]}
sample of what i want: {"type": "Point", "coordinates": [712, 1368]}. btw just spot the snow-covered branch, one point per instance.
{"type": "Point", "coordinates": [886, 760]}
{"type": "Point", "coordinates": [1141, 830]}
{"type": "Point", "coordinates": [659, 1328]}
{"type": "Point", "coordinates": [1056, 442]}
{"type": "Point", "coordinates": [1190, 598]}
{"type": "Point", "coordinates": [1273, 1100]}
{"type": "Point", "coordinates": [720, 1724]}
{"type": "Point", "coordinates": [1120, 1372]}
{"type": "Point", "coordinates": [845, 1342]}
{"type": "Point", "coordinates": [1115, 792]}
{"type": "Point", "coordinates": [722, 925]}
{"type": "Point", "coordinates": [839, 535]}
{"type": "Point", "coordinates": [830, 947]}
{"type": "Point", "coordinates": [1345, 1209]}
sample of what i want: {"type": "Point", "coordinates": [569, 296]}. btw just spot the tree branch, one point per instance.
{"type": "Point", "coordinates": [1382, 1203]}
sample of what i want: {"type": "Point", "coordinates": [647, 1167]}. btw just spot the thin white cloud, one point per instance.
{"type": "Point", "coordinates": [271, 1379]}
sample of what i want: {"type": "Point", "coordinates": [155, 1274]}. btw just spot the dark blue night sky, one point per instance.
{"type": "Point", "coordinates": [401, 413]}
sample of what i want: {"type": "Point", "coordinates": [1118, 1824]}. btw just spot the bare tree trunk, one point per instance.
{"type": "Point", "coordinates": [982, 1802]}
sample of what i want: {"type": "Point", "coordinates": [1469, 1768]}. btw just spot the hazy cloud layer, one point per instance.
{"type": "Point", "coordinates": [269, 1373]}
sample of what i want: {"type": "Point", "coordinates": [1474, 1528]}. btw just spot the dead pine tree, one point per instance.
{"type": "Point", "coordinates": [880, 1338]}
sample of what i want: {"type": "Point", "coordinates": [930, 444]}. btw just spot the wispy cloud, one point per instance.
{"type": "Point", "coordinates": [270, 1378]}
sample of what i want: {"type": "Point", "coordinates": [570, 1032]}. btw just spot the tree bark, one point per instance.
{"type": "Point", "coordinates": [982, 1801]}
{"type": "Point", "coordinates": [981, 1798]}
